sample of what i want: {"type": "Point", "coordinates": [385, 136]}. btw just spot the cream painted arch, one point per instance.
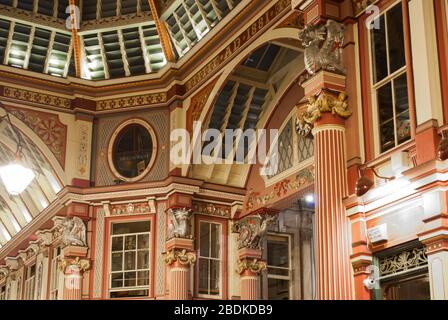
{"type": "Point", "coordinates": [271, 35]}
{"type": "Point", "coordinates": [43, 148]}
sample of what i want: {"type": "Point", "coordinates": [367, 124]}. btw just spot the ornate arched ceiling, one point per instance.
{"type": "Point", "coordinates": [115, 38]}
{"type": "Point", "coordinates": [245, 100]}
{"type": "Point", "coordinates": [17, 211]}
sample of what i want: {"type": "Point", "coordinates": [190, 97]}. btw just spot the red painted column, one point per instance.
{"type": "Point", "coordinates": [249, 268]}
{"type": "Point", "coordinates": [73, 270]}
{"type": "Point", "coordinates": [334, 276]}
{"type": "Point", "coordinates": [179, 258]}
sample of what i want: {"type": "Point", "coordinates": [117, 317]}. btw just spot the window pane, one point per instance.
{"type": "Point", "coordinates": [203, 276]}
{"type": "Point", "coordinates": [117, 261]}
{"type": "Point", "coordinates": [204, 239]}
{"type": "Point", "coordinates": [278, 272]}
{"type": "Point", "coordinates": [214, 277]}
{"type": "Point", "coordinates": [402, 109]}
{"type": "Point", "coordinates": [143, 259]}
{"type": "Point", "coordinates": [278, 289]}
{"type": "Point", "coordinates": [143, 278]}
{"type": "Point", "coordinates": [385, 110]}
{"type": "Point", "coordinates": [130, 279]}
{"type": "Point", "coordinates": [117, 244]}
{"type": "Point", "coordinates": [396, 38]}
{"type": "Point", "coordinates": [216, 240]}
{"type": "Point", "coordinates": [130, 243]}
{"type": "Point", "coordinates": [278, 252]}
{"type": "Point", "coordinates": [143, 241]}
{"type": "Point", "coordinates": [117, 280]}
{"type": "Point", "coordinates": [132, 227]}
{"type": "Point", "coordinates": [379, 51]}
{"type": "Point", "coordinates": [129, 261]}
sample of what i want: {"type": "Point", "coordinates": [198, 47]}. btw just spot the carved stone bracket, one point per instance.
{"type": "Point", "coordinates": [323, 102]}
{"type": "Point", "coordinates": [76, 265]}
{"type": "Point", "coordinates": [183, 257]}
{"type": "Point", "coordinates": [253, 265]}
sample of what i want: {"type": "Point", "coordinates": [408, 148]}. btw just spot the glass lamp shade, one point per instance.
{"type": "Point", "coordinates": [16, 178]}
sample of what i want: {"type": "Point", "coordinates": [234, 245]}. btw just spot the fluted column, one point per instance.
{"type": "Point", "coordinates": [250, 268]}
{"type": "Point", "coordinates": [324, 116]}
{"type": "Point", "coordinates": [73, 270]}
{"type": "Point", "coordinates": [180, 258]}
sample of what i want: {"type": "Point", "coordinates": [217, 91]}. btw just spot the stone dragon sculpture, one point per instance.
{"type": "Point", "coordinates": [178, 223]}
{"type": "Point", "coordinates": [74, 232]}
{"type": "Point", "coordinates": [253, 230]}
{"type": "Point", "coordinates": [323, 46]}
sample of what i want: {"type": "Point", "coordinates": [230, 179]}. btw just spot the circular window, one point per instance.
{"type": "Point", "coordinates": [132, 150]}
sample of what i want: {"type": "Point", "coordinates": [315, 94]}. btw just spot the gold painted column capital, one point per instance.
{"type": "Point", "coordinates": [253, 266]}
{"type": "Point", "coordinates": [181, 257]}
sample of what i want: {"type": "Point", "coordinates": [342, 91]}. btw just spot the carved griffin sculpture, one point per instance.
{"type": "Point", "coordinates": [74, 232]}
{"type": "Point", "coordinates": [178, 223]}
{"type": "Point", "coordinates": [252, 231]}
{"type": "Point", "coordinates": [323, 46]}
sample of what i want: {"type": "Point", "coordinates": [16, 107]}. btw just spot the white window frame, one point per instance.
{"type": "Point", "coordinates": [220, 260]}
{"type": "Point", "coordinates": [54, 282]}
{"type": "Point", "coordinates": [288, 278]}
{"type": "Point", "coordinates": [110, 272]}
{"type": "Point", "coordinates": [388, 79]}
{"type": "Point", "coordinates": [30, 283]}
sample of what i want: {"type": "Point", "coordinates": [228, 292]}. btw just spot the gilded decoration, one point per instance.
{"type": "Point", "coordinates": [129, 102]}
{"type": "Point", "coordinates": [130, 209]}
{"type": "Point", "coordinates": [76, 265]}
{"type": "Point", "coordinates": [252, 265]}
{"type": "Point", "coordinates": [48, 127]}
{"type": "Point", "coordinates": [323, 46]}
{"type": "Point", "coordinates": [317, 105]}
{"type": "Point", "coordinates": [211, 209]}
{"type": "Point", "coordinates": [361, 5]}
{"type": "Point", "coordinates": [179, 223]}
{"type": "Point", "coordinates": [281, 189]}
{"type": "Point", "coordinates": [252, 231]}
{"type": "Point", "coordinates": [248, 34]}
{"type": "Point", "coordinates": [182, 257]}
{"type": "Point", "coordinates": [406, 260]}
{"type": "Point", "coordinates": [36, 97]}
{"type": "Point", "coordinates": [198, 103]}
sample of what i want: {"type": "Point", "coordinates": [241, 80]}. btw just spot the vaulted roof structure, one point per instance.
{"type": "Point", "coordinates": [103, 39]}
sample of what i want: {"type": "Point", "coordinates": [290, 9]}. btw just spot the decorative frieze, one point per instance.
{"type": "Point", "coordinates": [36, 97]}
{"type": "Point", "coordinates": [211, 209]}
{"type": "Point", "coordinates": [252, 231]}
{"type": "Point", "coordinates": [404, 261]}
{"type": "Point", "coordinates": [130, 102]}
{"type": "Point", "coordinates": [183, 257]}
{"type": "Point", "coordinates": [131, 209]}
{"type": "Point", "coordinates": [281, 189]}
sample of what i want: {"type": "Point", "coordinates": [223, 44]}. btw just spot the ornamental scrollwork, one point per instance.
{"type": "Point", "coordinates": [179, 223]}
{"type": "Point", "coordinates": [403, 261]}
{"type": "Point", "coordinates": [321, 103]}
{"type": "Point", "coordinates": [77, 265]}
{"type": "Point", "coordinates": [252, 231]}
{"type": "Point", "coordinates": [323, 46]}
{"type": "Point", "coordinates": [252, 265]}
{"type": "Point", "coordinates": [183, 257]}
